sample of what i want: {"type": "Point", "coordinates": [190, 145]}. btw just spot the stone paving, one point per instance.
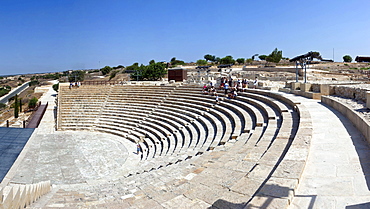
{"type": "Point", "coordinates": [72, 157]}
{"type": "Point", "coordinates": [336, 174]}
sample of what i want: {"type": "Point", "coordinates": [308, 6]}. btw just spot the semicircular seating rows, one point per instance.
{"type": "Point", "coordinates": [222, 154]}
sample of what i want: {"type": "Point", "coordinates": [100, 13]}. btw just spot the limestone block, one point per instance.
{"type": "Point", "coordinates": [279, 187]}
{"type": "Point", "coordinates": [267, 202]}
{"type": "Point", "coordinates": [7, 202]}
{"type": "Point", "coordinates": [16, 197]}
{"type": "Point", "coordinates": [296, 85]}
{"type": "Point", "coordinates": [305, 87]}
{"type": "Point", "coordinates": [1, 194]}
{"type": "Point", "coordinates": [368, 99]}
{"type": "Point", "coordinates": [325, 89]}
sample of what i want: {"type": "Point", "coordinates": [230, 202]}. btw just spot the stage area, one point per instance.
{"type": "Point", "coordinates": [69, 157]}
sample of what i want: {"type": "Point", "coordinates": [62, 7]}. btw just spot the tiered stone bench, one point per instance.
{"type": "Point", "coordinates": [197, 152]}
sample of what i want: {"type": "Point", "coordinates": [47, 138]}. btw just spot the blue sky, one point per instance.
{"type": "Point", "coordinates": [57, 35]}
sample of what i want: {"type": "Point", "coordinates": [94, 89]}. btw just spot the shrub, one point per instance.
{"type": "Point", "coordinates": [201, 62]}
{"type": "Point", "coordinates": [105, 70]}
{"type": "Point", "coordinates": [32, 103]}
{"type": "Point", "coordinates": [56, 87]}
{"type": "Point", "coordinates": [33, 83]}
{"type": "Point", "coordinates": [3, 91]}
{"type": "Point", "coordinates": [76, 75]}
{"type": "Point", "coordinates": [113, 74]}
{"type": "Point", "coordinates": [347, 58]}
{"type": "Point", "coordinates": [2, 105]}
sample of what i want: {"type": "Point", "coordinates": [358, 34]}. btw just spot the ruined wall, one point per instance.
{"type": "Point", "coordinates": [357, 92]}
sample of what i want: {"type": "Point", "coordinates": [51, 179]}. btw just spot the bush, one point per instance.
{"type": "Point", "coordinates": [347, 58]}
{"type": "Point", "coordinates": [201, 62]}
{"type": "Point", "coordinates": [113, 74]}
{"type": "Point", "coordinates": [33, 83]}
{"type": "Point", "coordinates": [262, 57]}
{"type": "Point", "coordinates": [76, 75]}
{"type": "Point", "coordinates": [3, 91]}
{"type": "Point", "coordinates": [32, 103]}
{"type": "Point", "coordinates": [241, 61]}
{"type": "Point", "coordinates": [2, 105]}
{"type": "Point", "coordinates": [275, 56]}
{"type": "Point", "coordinates": [56, 87]}
{"type": "Point", "coordinates": [106, 70]}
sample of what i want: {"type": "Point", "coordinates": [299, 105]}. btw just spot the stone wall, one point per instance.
{"type": "Point", "coordinates": [315, 87]}
{"type": "Point", "coordinates": [357, 92]}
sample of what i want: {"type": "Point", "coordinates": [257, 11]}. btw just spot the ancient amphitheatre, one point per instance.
{"type": "Point", "coordinates": [285, 144]}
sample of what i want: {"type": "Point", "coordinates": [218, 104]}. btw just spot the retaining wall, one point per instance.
{"type": "Point", "coordinates": [360, 122]}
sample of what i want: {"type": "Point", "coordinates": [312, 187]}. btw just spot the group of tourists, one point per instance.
{"type": "Point", "coordinates": [230, 86]}
{"type": "Point", "coordinates": [76, 84]}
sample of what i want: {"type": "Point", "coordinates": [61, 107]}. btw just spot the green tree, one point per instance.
{"type": "Point", "coordinates": [20, 104]}
{"type": "Point", "coordinates": [152, 72]}
{"type": "Point", "coordinates": [151, 62]}
{"type": "Point", "coordinates": [76, 75]}
{"type": "Point", "coordinates": [175, 62]}
{"type": "Point", "coordinates": [132, 68]}
{"type": "Point", "coordinates": [209, 57]}
{"type": "Point", "coordinates": [202, 62]}
{"type": "Point", "coordinates": [217, 60]}
{"type": "Point", "coordinates": [119, 66]}
{"type": "Point", "coordinates": [240, 60]}
{"type": "Point", "coordinates": [347, 58]}
{"type": "Point", "coordinates": [3, 91]}
{"type": "Point", "coordinates": [106, 70]}
{"type": "Point", "coordinates": [262, 57]}
{"type": "Point", "coordinates": [275, 56]}
{"type": "Point", "coordinates": [227, 60]}
{"type": "Point", "coordinates": [249, 61]}
{"type": "Point", "coordinates": [113, 74]}
{"type": "Point", "coordinates": [32, 103]}
{"type": "Point", "coordinates": [16, 106]}
{"type": "Point", "coordinates": [56, 87]}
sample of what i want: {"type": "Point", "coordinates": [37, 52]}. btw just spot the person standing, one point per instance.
{"type": "Point", "coordinates": [226, 87]}
{"type": "Point", "coordinates": [255, 83]}
{"type": "Point", "coordinates": [138, 148]}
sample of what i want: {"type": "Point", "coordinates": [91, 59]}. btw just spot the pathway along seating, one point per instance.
{"type": "Point", "coordinates": [226, 154]}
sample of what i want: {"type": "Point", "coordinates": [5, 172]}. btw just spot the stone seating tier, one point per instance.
{"type": "Point", "coordinates": [250, 159]}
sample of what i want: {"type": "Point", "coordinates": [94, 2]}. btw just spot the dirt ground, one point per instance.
{"type": "Point", "coordinates": [8, 112]}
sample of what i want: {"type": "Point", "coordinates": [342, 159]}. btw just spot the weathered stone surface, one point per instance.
{"type": "Point", "coordinates": [279, 188]}
{"type": "Point", "coordinates": [182, 201]}
{"type": "Point", "coordinates": [247, 186]}
{"type": "Point", "coordinates": [267, 202]}
{"type": "Point", "coordinates": [291, 169]}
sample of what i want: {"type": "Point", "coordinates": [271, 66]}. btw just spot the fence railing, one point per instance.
{"type": "Point", "coordinates": [37, 116]}
{"type": "Point", "coordinates": [102, 82]}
